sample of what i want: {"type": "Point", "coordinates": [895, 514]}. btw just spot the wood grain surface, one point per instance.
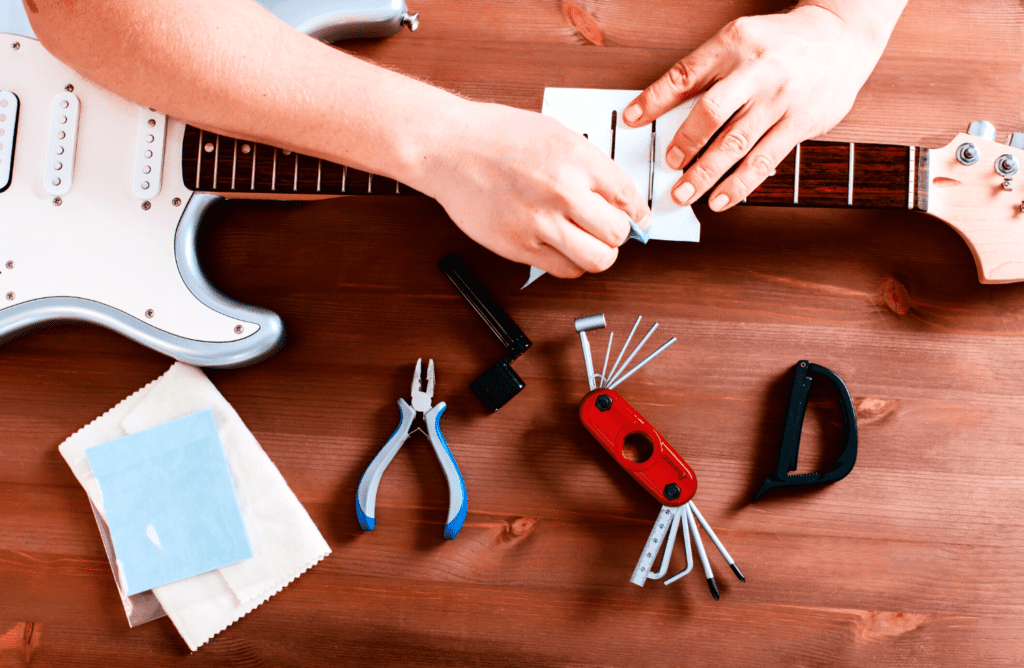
{"type": "Point", "coordinates": [914, 559]}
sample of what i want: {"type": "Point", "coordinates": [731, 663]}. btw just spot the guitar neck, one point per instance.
{"type": "Point", "coordinates": [839, 174]}
{"type": "Point", "coordinates": [224, 165]}
{"type": "Point", "coordinates": [814, 174]}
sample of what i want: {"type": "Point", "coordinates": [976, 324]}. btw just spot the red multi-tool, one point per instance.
{"type": "Point", "coordinates": [645, 454]}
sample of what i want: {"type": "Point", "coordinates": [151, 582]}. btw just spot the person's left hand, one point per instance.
{"type": "Point", "coordinates": [772, 82]}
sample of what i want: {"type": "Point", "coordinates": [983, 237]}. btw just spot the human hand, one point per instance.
{"type": "Point", "coordinates": [530, 190]}
{"type": "Point", "coordinates": [771, 82]}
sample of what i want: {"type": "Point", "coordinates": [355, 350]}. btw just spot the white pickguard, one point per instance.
{"type": "Point", "coordinates": [100, 244]}
{"type": "Point", "coordinates": [116, 248]}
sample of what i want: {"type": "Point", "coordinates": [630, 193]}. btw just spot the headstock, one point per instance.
{"type": "Point", "coordinates": [977, 186]}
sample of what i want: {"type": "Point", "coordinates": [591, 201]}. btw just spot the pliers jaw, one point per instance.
{"type": "Point", "coordinates": [421, 399]}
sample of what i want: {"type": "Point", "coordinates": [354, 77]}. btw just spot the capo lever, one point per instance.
{"type": "Point", "coordinates": [794, 425]}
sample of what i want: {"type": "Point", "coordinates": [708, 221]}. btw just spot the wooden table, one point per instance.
{"type": "Point", "coordinates": [914, 558]}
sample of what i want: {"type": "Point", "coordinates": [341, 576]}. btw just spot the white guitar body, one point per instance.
{"type": "Point", "coordinates": [108, 238]}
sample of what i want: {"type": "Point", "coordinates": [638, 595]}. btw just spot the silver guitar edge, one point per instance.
{"type": "Point", "coordinates": [264, 342]}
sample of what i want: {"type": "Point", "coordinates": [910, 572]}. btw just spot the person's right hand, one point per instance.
{"type": "Point", "coordinates": [532, 191]}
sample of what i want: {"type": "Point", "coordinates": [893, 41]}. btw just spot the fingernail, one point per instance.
{"type": "Point", "coordinates": [719, 202]}
{"type": "Point", "coordinates": [632, 113]}
{"type": "Point", "coordinates": [675, 158]}
{"type": "Point", "coordinates": [645, 222]}
{"type": "Point", "coordinates": [683, 193]}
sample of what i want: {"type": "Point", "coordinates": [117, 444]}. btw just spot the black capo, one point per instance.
{"type": "Point", "coordinates": [794, 425]}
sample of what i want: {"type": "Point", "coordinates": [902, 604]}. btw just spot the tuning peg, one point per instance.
{"type": "Point", "coordinates": [1016, 140]}
{"type": "Point", "coordinates": [982, 129]}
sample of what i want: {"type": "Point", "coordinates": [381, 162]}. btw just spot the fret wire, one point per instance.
{"type": "Point", "coordinates": [252, 185]}
{"type": "Point", "coordinates": [796, 177]}
{"type": "Point", "coordinates": [344, 174]}
{"type": "Point", "coordinates": [396, 188]}
{"type": "Point", "coordinates": [369, 185]}
{"type": "Point", "coordinates": [911, 179]}
{"type": "Point", "coordinates": [295, 183]}
{"type": "Point", "coordinates": [849, 187]}
{"type": "Point", "coordinates": [199, 159]}
{"type": "Point", "coordinates": [319, 164]}
{"type": "Point", "coordinates": [273, 173]}
{"type": "Point", "coordinates": [234, 164]}
{"type": "Point", "coordinates": [216, 160]}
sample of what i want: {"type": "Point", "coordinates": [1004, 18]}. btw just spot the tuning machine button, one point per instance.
{"type": "Point", "coordinates": [982, 129]}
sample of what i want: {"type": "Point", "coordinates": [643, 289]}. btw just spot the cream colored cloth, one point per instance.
{"type": "Point", "coordinates": [284, 539]}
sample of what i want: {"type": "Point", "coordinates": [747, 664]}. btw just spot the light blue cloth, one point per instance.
{"type": "Point", "coordinates": [169, 501]}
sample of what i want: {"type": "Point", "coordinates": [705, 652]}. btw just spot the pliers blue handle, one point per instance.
{"type": "Point", "coordinates": [366, 494]}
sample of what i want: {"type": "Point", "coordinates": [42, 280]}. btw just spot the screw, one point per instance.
{"type": "Point", "coordinates": [672, 491]}
{"type": "Point", "coordinates": [10, 264]}
{"type": "Point", "coordinates": [603, 403]}
{"type": "Point", "coordinates": [146, 206]}
{"type": "Point", "coordinates": [57, 201]}
{"type": "Point", "coordinates": [176, 201]}
{"type": "Point", "coordinates": [69, 88]}
{"type": "Point", "coordinates": [239, 329]}
{"type": "Point", "coordinates": [149, 313]}
{"type": "Point", "coordinates": [16, 45]}
{"type": "Point", "coordinates": [10, 296]}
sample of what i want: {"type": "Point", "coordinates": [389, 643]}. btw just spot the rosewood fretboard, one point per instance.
{"type": "Point", "coordinates": [814, 174]}
{"type": "Point", "coordinates": [215, 163]}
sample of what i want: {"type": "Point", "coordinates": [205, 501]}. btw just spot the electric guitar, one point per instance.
{"type": "Point", "coordinates": [101, 199]}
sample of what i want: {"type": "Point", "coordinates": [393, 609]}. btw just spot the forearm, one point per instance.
{"type": "Point", "coordinates": [875, 19]}
{"type": "Point", "coordinates": [232, 67]}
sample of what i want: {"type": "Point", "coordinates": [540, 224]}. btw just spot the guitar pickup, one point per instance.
{"type": "Point", "coordinates": [61, 144]}
{"type": "Point", "coordinates": [8, 133]}
{"type": "Point", "coordinates": [149, 153]}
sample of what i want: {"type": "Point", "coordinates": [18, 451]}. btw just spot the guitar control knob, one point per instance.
{"type": "Point", "coordinates": [967, 153]}
{"type": "Point", "coordinates": [1016, 140]}
{"type": "Point", "coordinates": [1006, 167]}
{"type": "Point", "coordinates": [982, 129]}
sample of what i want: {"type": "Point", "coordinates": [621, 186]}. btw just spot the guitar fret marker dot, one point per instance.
{"type": "Point", "coordinates": [246, 148]}
{"type": "Point", "coordinates": [60, 150]}
{"type": "Point", "coordinates": [148, 154]}
{"type": "Point", "coordinates": [208, 147]}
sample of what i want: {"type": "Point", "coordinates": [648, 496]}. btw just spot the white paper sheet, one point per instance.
{"type": "Point", "coordinates": [589, 111]}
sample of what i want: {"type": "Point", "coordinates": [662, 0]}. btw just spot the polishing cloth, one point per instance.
{"type": "Point", "coordinates": [284, 540]}
{"type": "Point", "coordinates": [170, 504]}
